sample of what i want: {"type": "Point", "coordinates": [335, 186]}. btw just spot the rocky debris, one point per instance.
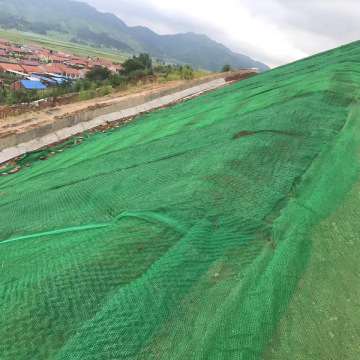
{"type": "Point", "coordinates": [75, 142]}
{"type": "Point", "coordinates": [239, 77]}
{"type": "Point", "coordinates": [53, 153]}
{"type": "Point", "coordinates": [3, 174]}
{"type": "Point", "coordinates": [59, 151]}
{"type": "Point", "coordinates": [104, 124]}
{"type": "Point", "coordinates": [68, 146]}
{"type": "Point", "coordinates": [3, 194]}
{"type": "Point", "coordinates": [13, 171]}
{"type": "Point", "coordinates": [27, 165]}
{"type": "Point", "coordinates": [42, 157]}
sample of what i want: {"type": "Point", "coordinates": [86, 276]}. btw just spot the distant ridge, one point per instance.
{"type": "Point", "coordinates": [84, 23]}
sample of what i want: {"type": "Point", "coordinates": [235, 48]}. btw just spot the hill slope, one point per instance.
{"type": "Point", "coordinates": [87, 24]}
{"type": "Point", "coordinates": [225, 227]}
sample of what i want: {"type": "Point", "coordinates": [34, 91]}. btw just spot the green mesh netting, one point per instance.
{"type": "Point", "coordinates": [225, 227]}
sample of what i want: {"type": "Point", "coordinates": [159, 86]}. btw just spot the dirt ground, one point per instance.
{"type": "Point", "coordinates": [19, 124]}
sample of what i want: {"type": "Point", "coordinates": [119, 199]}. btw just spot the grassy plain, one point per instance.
{"type": "Point", "coordinates": [61, 42]}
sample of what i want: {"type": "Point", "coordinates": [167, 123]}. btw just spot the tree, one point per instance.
{"type": "Point", "coordinates": [98, 74]}
{"type": "Point", "coordinates": [131, 65]}
{"type": "Point", "coordinates": [145, 59]}
{"type": "Point", "coordinates": [226, 68]}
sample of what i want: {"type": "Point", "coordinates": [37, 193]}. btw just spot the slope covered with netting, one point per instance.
{"type": "Point", "coordinates": [225, 227]}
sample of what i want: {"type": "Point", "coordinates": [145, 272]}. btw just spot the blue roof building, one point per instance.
{"type": "Point", "coordinates": [30, 84]}
{"type": "Point", "coordinates": [27, 85]}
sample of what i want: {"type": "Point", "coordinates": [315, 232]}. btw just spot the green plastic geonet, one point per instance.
{"type": "Point", "coordinates": [225, 227]}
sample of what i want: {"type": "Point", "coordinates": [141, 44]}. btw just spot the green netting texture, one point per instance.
{"type": "Point", "coordinates": [225, 227]}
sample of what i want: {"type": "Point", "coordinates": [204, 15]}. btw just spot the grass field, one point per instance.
{"type": "Point", "coordinates": [61, 42]}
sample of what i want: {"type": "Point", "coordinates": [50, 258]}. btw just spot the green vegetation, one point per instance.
{"type": "Point", "coordinates": [131, 65]}
{"type": "Point", "coordinates": [145, 59]}
{"type": "Point", "coordinates": [98, 74]}
{"type": "Point", "coordinates": [226, 68]}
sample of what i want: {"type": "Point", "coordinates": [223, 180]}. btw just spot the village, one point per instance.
{"type": "Point", "coordinates": [33, 67]}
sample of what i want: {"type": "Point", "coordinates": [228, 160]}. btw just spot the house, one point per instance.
{"type": "Point", "coordinates": [3, 47]}
{"type": "Point", "coordinates": [51, 69]}
{"type": "Point", "coordinates": [47, 81]}
{"type": "Point", "coordinates": [78, 64]}
{"type": "Point", "coordinates": [16, 51]}
{"type": "Point", "coordinates": [105, 63]}
{"type": "Point", "coordinates": [8, 68]}
{"type": "Point", "coordinates": [56, 59]}
{"type": "Point", "coordinates": [29, 63]}
{"type": "Point", "coordinates": [65, 58]}
{"type": "Point", "coordinates": [25, 85]}
{"type": "Point", "coordinates": [31, 69]}
{"type": "Point", "coordinates": [69, 72]}
{"type": "Point", "coordinates": [116, 68]}
{"type": "Point", "coordinates": [94, 64]}
{"type": "Point", "coordinates": [3, 54]}
{"type": "Point", "coordinates": [1, 84]}
{"type": "Point", "coordinates": [33, 57]}
{"type": "Point", "coordinates": [44, 55]}
{"type": "Point", "coordinates": [4, 42]}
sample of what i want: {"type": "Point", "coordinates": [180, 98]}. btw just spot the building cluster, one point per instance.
{"type": "Point", "coordinates": [38, 68]}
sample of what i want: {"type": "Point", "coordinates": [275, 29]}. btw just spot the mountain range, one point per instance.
{"type": "Point", "coordinates": [85, 24]}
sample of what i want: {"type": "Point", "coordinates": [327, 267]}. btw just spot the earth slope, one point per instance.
{"type": "Point", "coordinates": [224, 227]}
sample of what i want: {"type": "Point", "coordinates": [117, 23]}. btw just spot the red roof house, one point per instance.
{"type": "Point", "coordinates": [29, 63]}
{"type": "Point", "coordinates": [32, 57]}
{"type": "Point", "coordinates": [31, 69]}
{"type": "Point", "coordinates": [13, 67]}
{"type": "Point", "coordinates": [69, 72]}
{"type": "Point", "coordinates": [51, 69]}
{"type": "Point", "coordinates": [106, 63]}
{"type": "Point", "coordinates": [78, 63]}
{"type": "Point", "coordinates": [56, 59]}
{"type": "Point", "coordinates": [17, 50]}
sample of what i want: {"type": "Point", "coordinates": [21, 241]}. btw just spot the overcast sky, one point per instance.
{"type": "Point", "coordinates": [272, 31]}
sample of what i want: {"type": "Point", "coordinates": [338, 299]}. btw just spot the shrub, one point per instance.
{"type": "Point", "coordinates": [187, 72]}
{"type": "Point", "coordinates": [226, 68]}
{"type": "Point", "coordinates": [98, 74]}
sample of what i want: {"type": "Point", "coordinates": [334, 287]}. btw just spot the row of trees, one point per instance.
{"type": "Point", "coordinates": [141, 66]}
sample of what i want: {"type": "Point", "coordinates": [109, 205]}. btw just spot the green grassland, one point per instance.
{"type": "Point", "coordinates": [61, 42]}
